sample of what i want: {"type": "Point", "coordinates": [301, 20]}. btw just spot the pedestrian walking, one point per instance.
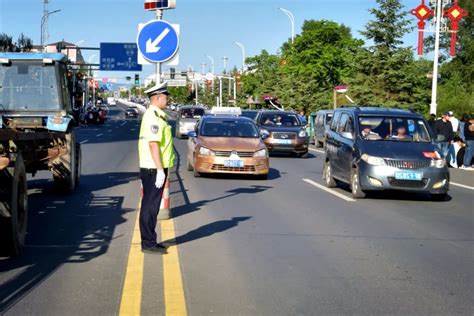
{"type": "Point", "coordinates": [156, 153]}
{"type": "Point", "coordinates": [444, 128]}
{"type": "Point", "coordinates": [432, 121]}
{"type": "Point", "coordinates": [469, 139]}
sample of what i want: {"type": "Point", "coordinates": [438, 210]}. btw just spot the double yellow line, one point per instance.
{"type": "Point", "coordinates": [175, 303]}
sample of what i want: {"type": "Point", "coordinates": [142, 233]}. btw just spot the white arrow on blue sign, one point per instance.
{"type": "Point", "coordinates": [158, 41]}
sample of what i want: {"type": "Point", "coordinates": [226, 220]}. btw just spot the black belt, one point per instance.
{"type": "Point", "coordinates": [146, 170]}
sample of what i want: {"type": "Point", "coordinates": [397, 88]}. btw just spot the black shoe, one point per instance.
{"type": "Point", "coordinates": [155, 250]}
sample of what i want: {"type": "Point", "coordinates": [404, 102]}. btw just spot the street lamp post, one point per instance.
{"type": "Point", "coordinates": [292, 20]}
{"type": "Point", "coordinates": [225, 59]}
{"type": "Point", "coordinates": [43, 19]}
{"type": "Point", "coordinates": [242, 48]}
{"type": "Point", "coordinates": [212, 71]}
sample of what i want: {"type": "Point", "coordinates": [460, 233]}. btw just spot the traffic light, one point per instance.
{"type": "Point", "coordinates": [137, 79]}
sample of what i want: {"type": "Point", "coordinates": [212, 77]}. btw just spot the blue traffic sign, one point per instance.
{"type": "Point", "coordinates": [119, 57]}
{"type": "Point", "coordinates": [158, 41]}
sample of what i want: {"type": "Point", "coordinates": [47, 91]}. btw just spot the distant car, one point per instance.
{"type": "Point", "coordinates": [111, 101]}
{"type": "Point", "coordinates": [131, 112]}
{"type": "Point", "coordinates": [251, 114]}
{"type": "Point", "coordinates": [285, 132]}
{"type": "Point", "coordinates": [321, 126]}
{"type": "Point", "coordinates": [374, 149]}
{"type": "Point", "coordinates": [226, 144]}
{"type": "Point", "coordinates": [187, 118]}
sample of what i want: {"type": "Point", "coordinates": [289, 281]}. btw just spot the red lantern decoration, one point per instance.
{"type": "Point", "coordinates": [422, 12]}
{"type": "Point", "coordinates": [455, 13]}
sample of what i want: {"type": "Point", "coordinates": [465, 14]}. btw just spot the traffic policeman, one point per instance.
{"type": "Point", "coordinates": [155, 149]}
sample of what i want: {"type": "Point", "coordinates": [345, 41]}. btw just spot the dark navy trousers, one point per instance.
{"type": "Point", "coordinates": [150, 206]}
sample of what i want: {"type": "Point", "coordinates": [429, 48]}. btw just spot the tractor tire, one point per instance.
{"type": "Point", "coordinates": [65, 168]}
{"type": "Point", "coordinates": [13, 209]}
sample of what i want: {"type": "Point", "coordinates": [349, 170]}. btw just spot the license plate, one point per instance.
{"type": "Point", "coordinates": [234, 163]}
{"type": "Point", "coordinates": [283, 141]}
{"type": "Point", "coordinates": [415, 176]}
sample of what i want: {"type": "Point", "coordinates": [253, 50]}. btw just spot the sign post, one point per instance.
{"type": "Point", "coordinates": [158, 40]}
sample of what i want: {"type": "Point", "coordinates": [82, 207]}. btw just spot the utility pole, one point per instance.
{"type": "Point", "coordinates": [44, 24]}
{"type": "Point", "coordinates": [434, 86]}
{"type": "Point", "coordinates": [225, 59]}
{"type": "Point", "coordinates": [159, 17]}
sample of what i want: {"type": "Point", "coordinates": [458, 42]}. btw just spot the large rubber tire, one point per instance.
{"type": "Point", "coordinates": [327, 176]}
{"type": "Point", "coordinates": [13, 209]}
{"type": "Point", "coordinates": [356, 189]}
{"type": "Point", "coordinates": [64, 168]}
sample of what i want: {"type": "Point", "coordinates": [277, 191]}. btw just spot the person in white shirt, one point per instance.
{"type": "Point", "coordinates": [454, 121]}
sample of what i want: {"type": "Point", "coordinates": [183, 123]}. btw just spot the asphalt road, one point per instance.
{"type": "Point", "coordinates": [284, 246]}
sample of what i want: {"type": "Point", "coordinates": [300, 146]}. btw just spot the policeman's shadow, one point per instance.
{"type": "Point", "coordinates": [207, 230]}
{"type": "Point", "coordinates": [189, 207]}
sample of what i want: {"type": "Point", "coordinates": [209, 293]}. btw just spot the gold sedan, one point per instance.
{"type": "Point", "coordinates": [223, 144]}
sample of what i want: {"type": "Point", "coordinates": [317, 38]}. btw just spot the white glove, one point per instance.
{"type": "Point", "coordinates": [160, 178]}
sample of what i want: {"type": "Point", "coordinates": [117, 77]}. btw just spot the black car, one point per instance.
{"type": "Point", "coordinates": [131, 112]}
{"type": "Point", "coordinates": [321, 126]}
{"type": "Point", "coordinates": [374, 149]}
{"type": "Point", "coordinates": [285, 130]}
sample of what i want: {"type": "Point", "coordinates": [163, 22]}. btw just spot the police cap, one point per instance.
{"type": "Point", "coordinates": [158, 89]}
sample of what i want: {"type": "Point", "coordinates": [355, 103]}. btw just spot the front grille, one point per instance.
{"type": "Point", "coordinates": [407, 183]}
{"type": "Point", "coordinates": [239, 153]}
{"type": "Point", "coordinates": [409, 165]}
{"type": "Point", "coordinates": [233, 169]}
{"type": "Point", "coordinates": [280, 135]}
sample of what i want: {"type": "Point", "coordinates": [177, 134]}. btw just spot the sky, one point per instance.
{"type": "Point", "coordinates": [207, 27]}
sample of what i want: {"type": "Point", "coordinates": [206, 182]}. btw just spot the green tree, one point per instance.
{"type": "Point", "coordinates": [320, 58]}
{"type": "Point", "coordinates": [23, 44]}
{"type": "Point", "coordinates": [386, 72]}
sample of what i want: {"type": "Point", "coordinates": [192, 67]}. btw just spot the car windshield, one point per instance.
{"type": "Point", "coordinates": [229, 128]}
{"type": "Point", "coordinates": [376, 128]}
{"type": "Point", "coordinates": [192, 113]}
{"type": "Point", "coordinates": [250, 114]}
{"type": "Point", "coordinates": [279, 119]}
{"type": "Point", "coordinates": [28, 86]}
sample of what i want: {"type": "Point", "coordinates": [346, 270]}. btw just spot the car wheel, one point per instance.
{"type": "Point", "coordinates": [327, 176]}
{"type": "Point", "coordinates": [357, 191]}
{"type": "Point", "coordinates": [195, 173]}
{"type": "Point", "coordinates": [439, 197]}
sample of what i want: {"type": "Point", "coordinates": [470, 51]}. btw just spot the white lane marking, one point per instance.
{"type": "Point", "coordinates": [84, 141]}
{"type": "Point", "coordinates": [462, 185]}
{"type": "Point", "coordinates": [322, 187]}
{"type": "Point", "coordinates": [317, 150]}
{"type": "Point", "coordinates": [98, 135]}
{"type": "Point", "coordinates": [123, 123]}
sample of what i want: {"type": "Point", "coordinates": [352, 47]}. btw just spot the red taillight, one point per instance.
{"type": "Point", "coordinates": [432, 155]}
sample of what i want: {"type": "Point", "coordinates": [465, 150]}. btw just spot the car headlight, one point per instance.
{"type": "Point", "coordinates": [302, 134]}
{"type": "Point", "coordinates": [438, 163]}
{"type": "Point", "coordinates": [261, 153]}
{"type": "Point", "coordinates": [206, 152]}
{"type": "Point", "coordinates": [375, 161]}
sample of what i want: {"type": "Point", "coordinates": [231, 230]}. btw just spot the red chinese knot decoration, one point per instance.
{"type": "Point", "coordinates": [455, 13]}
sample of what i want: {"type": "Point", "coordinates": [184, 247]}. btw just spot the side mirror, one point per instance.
{"type": "Point", "coordinates": [192, 134]}
{"type": "Point", "coordinates": [347, 135]}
